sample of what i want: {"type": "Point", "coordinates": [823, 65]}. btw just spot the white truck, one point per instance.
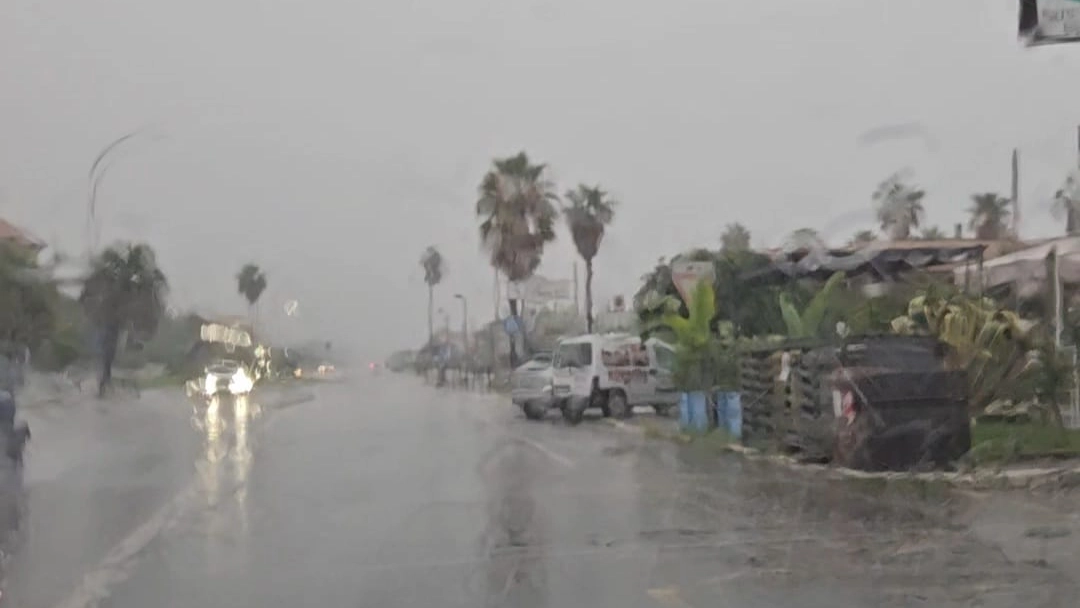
{"type": "Point", "coordinates": [614, 373]}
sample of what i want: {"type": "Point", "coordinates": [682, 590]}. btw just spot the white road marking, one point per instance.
{"type": "Point", "coordinates": [118, 563]}
{"type": "Point", "coordinates": [557, 457]}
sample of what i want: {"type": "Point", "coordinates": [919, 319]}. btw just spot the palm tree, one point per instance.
{"type": "Point", "coordinates": [989, 216]}
{"type": "Point", "coordinates": [516, 208]}
{"type": "Point", "coordinates": [932, 233]}
{"type": "Point", "coordinates": [434, 268]}
{"type": "Point", "coordinates": [863, 237]}
{"type": "Point", "coordinates": [590, 211]}
{"type": "Point", "coordinates": [899, 206]}
{"type": "Point", "coordinates": [251, 283]}
{"type": "Point", "coordinates": [125, 290]}
{"type": "Point", "coordinates": [735, 238]}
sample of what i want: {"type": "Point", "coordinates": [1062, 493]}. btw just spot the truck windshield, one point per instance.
{"type": "Point", "coordinates": [573, 355]}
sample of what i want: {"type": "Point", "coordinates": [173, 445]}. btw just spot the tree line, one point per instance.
{"type": "Point", "coordinates": [121, 298]}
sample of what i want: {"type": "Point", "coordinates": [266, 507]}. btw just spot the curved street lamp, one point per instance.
{"type": "Point", "coordinates": [98, 169]}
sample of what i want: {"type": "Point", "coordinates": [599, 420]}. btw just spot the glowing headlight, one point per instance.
{"type": "Point", "coordinates": [210, 384]}
{"type": "Point", "coordinates": [240, 383]}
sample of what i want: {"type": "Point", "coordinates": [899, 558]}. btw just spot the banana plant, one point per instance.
{"type": "Point", "coordinates": [809, 323]}
{"type": "Point", "coordinates": [693, 338]}
{"type": "Point", "coordinates": [990, 343]}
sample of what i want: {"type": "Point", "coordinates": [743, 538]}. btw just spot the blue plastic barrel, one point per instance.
{"type": "Point", "coordinates": [729, 412]}
{"type": "Point", "coordinates": [699, 410]}
{"type": "Point", "coordinates": [684, 411]}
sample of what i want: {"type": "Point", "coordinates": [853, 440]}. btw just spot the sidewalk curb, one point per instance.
{"type": "Point", "coordinates": [1015, 479]}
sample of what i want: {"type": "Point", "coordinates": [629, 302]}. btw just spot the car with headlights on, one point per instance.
{"type": "Point", "coordinates": [226, 377]}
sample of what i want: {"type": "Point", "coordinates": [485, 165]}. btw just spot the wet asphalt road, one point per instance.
{"type": "Point", "coordinates": [380, 491]}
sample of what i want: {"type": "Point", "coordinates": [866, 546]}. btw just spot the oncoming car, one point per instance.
{"type": "Point", "coordinates": [223, 377]}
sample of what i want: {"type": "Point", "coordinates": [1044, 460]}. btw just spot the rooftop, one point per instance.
{"type": "Point", "coordinates": [9, 232]}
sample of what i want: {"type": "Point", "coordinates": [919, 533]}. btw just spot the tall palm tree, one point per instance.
{"type": "Point", "coordinates": [251, 283]}
{"type": "Point", "coordinates": [899, 206]}
{"type": "Point", "coordinates": [989, 216]}
{"type": "Point", "coordinates": [516, 208]}
{"type": "Point", "coordinates": [434, 268]}
{"type": "Point", "coordinates": [590, 211]}
{"type": "Point", "coordinates": [124, 291]}
{"type": "Point", "coordinates": [735, 238]}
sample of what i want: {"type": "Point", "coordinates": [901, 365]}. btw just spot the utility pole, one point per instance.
{"type": "Point", "coordinates": [464, 321]}
{"type": "Point", "coordinates": [1016, 193]}
{"type": "Point", "coordinates": [577, 309]}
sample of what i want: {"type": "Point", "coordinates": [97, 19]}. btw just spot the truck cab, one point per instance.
{"type": "Point", "coordinates": [613, 373]}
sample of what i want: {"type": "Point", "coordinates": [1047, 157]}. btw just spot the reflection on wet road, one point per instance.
{"type": "Point", "coordinates": [383, 492]}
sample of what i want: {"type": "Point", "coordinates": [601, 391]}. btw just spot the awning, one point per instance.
{"type": "Point", "coordinates": [884, 260]}
{"type": "Point", "coordinates": [1027, 268]}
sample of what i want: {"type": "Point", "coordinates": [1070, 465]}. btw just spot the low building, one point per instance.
{"type": "Point", "coordinates": [19, 238]}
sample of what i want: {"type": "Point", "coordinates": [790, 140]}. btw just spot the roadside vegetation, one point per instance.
{"type": "Point", "coordinates": [1004, 340]}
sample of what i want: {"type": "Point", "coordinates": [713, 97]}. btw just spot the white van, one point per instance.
{"type": "Point", "coordinates": [614, 373]}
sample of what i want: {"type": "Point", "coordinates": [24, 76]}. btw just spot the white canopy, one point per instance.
{"type": "Point", "coordinates": [1027, 267]}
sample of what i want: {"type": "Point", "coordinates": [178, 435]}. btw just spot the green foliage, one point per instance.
{"type": "Point", "coordinates": [250, 283]}
{"type": "Point", "coordinates": [735, 238]}
{"type": "Point", "coordinates": [932, 233]}
{"type": "Point", "coordinates": [811, 321]}
{"type": "Point", "coordinates": [589, 212]}
{"type": "Point", "coordinates": [751, 309]}
{"type": "Point", "coordinates": [125, 289]}
{"type": "Point", "coordinates": [702, 359]}
{"type": "Point", "coordinates": [516, 208]}
{"type": "Point", "coordinates": [123, 295]}
{"type": "Point", "coordinates": [989, 215]}
{"type": "Point", "coordinates": [899, 206]}
{"type": "Point", "coordinates": [434, 265]}
{"type": "Point", "coordinates": [27, 299]}
{"type": "Point", "coordinates": [988, 342]}
{"type": "Point", "coordinates": [1003, 442]}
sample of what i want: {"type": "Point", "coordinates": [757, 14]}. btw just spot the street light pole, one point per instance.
{"type": "Point", "coordinates": [464, 321]}
{"type": "Point", "coordinates": [98, 169]}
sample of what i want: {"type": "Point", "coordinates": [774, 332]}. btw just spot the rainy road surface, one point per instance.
{"type": "Point", "coordinates": [380, 491]}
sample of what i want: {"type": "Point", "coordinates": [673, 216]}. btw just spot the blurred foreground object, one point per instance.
{"type": "Point", "coordinates": [1043, 22]}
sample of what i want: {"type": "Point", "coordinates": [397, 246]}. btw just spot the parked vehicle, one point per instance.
{"type": "Point", "coordinates": [530, 386]}
{"type": "Point", "coordinates": [613, 373]}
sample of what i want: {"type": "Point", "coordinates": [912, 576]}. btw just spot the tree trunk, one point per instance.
{"type": "Point", "coordinates": [513, 339]}
{"type": "Point", "coordinates": [110, 343]}
{"type": "Point", "coordinates": [588, 296]}
{"type": "Point", "coordinates": [430, 314]}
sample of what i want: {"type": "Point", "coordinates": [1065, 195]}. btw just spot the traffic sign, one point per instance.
{"type": "Point", "coordinates": [512, 325]}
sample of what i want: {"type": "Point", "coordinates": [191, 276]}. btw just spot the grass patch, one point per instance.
{"type": "Point", "coordinates": [1003, 442]}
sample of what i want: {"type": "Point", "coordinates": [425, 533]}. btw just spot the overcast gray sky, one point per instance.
{"type": "Point", "coordinates": [331, 140]}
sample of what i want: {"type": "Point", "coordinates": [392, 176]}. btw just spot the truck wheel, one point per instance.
{"type": "Point", "coordinates": [662, 409]}
{"type": "Point", "coordinates": [600, 400]}
{"type": "Point", "coordinates": [574, 410]}
{"type": "Point", "coordinates": [534, 410]}
{"type": "Point", "coordinates": [617, 403]}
